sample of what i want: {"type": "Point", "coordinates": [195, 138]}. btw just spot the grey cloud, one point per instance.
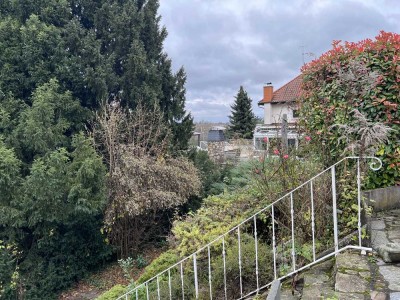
{"type": "Point", "coordinates": [206, 110]}
{"type": "Point", "coordinates": [227, 43]}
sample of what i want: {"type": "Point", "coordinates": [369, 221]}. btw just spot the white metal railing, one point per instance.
{"type": "Point", "coordinates": [196, 276]}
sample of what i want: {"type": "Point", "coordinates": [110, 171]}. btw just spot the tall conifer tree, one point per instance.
{"type": "Point", "coordinates": [97, 49]}
{"type": "Point", "coordinates": [59, 60]}
{"type": "Point", "coordinates": [242, 119]}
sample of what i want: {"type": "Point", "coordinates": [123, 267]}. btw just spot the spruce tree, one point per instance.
{"type": "Point", "coordinates": [242, 119]}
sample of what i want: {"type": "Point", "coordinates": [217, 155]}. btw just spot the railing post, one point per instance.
{"type": "Point", "coordinates": [273, 239]}
{"type": "Point", "coordinates": [293, 245]}
{"type": "Point", "coordinates": [334, 209]}
{"type": "Point", "coordinates": [359, 205]}
{"type": "Point", "coordinates": [183, 289]}
{"type": "Point", "coordinates": [240, 262]}
{"type": "Point", "coordinates": [209, 271]}
{"type": "Point", "coordinates": [169, 284]}
{"type": "Point", "coordinates": [158, 288]}
{"type": "Point", "coordinates": [256, 250]}
{"type": "Point", "coordinates": [224, 260]}
{"type": "Point", "coordinates": [196, 283]}
{"type": "Point", "coordinates": [312, 218]}
{"type": "Point", "coordinates": [147, 291]}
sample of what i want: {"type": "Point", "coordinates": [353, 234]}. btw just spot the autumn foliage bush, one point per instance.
{"type": "Point", "coordinates": [364, 76]}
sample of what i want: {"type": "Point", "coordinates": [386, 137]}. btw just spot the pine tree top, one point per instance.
{"type": "Point", "coordinates": [242, 119]}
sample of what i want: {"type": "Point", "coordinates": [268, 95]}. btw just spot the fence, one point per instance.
{"type": "Point", "coordinates": [276, 242]}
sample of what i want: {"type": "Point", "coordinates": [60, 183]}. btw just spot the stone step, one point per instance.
{"type": "Point", "coordinates": [348, 276]}
{"type": "Point", "coordinates": [354, 276]}
{"type": "Point", "coordinates": [385, 239]}
{"type": "Point", "coordinates": [318, 283]}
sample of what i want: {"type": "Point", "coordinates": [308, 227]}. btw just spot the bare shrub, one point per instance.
{"type": "Point", "coordinates": [143, 180]}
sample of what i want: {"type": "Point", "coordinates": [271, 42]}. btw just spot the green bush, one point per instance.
{"type": "Point", "coordinates": [248, 268]}
{"type": "Point", "coordinates": [362, 76]}
{"type": "Point", "coordinates": [113, 293]}
{"type": "Point", "coordinates": [158, 265]}
{"type": "Point", "coordinates": [208, 171]}
{"type": "Point", "coordinates": [217, 215]}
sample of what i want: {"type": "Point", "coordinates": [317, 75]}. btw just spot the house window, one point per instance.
{"type": "Point", "coordinates": [258, 144]}
{"type": "Point", "coordinates": [292, 143]}
{"type": "Point", "coordinates": [295, 113]}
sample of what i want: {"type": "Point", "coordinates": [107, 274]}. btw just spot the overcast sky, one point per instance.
{"type": "Point", "coordinates": [224, 44]}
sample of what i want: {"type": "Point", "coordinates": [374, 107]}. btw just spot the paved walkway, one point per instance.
{"type": "Point", "coordinates": [385, 228]}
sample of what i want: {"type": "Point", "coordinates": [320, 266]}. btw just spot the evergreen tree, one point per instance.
{"type": "Point", "coordinates": [52, 194]}
{"type": "Point", "coordinates": [98, 50]}
{"type": "Point", "coordinates": [242, 119]}
{"type": "Point", "coordinates": [59, 60]}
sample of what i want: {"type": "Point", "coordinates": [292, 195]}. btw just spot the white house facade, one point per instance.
{"type": "Point", "coordinates": [277, 104]}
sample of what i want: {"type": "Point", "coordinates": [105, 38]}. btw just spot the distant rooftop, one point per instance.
{"type": "Point", "coordinates": [287, 93]}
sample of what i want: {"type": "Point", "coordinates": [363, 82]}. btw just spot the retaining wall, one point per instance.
{"type": "Point", "coordinates": [384, 198]}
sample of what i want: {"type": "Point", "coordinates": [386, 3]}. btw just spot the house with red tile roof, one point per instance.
{"type": "Point", "coordinates": [276, 104]}
{"type": "Point", "coordinates": [282, 101]}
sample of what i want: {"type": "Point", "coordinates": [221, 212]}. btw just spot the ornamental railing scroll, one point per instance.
{"type": "Point", "coordinates": [226, 269]}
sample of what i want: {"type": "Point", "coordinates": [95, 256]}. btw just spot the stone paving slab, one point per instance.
{"type": "Point", "coordinates": [351, 261]}
{"type": "Point", "coordinates": [375, 295]}
{"type": "Point", "coordinates": [391, 273]}
{"type": "Point", "coordinates": [352, 275]}
{"type": "Point", "coordinates": [377, 224]}
{"type": "Point", "coordinates": [394, 234]}
{"type": "Point", "coordinates": [350, 296]}
{"type": "Point", "coordinates": [391, 231]}
{"type": "Point", "coordinates": [318, 292]}
{"type": "Point", "coordinates": [348, 283]}
{"type": "Point", "coordinates": [378, 238]}
{"type": "Point", "coordinates": [390, 252]}
{"type": "Point", "coordinates": [394, 296]}
{"type": "Point", "coordinates": [318, 283]}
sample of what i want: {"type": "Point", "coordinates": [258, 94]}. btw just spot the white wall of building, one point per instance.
{"type": "Point", "coordinates": [273, 113]}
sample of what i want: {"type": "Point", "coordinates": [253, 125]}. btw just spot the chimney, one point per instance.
{"type": "Point", "coordinates": [268, 90]}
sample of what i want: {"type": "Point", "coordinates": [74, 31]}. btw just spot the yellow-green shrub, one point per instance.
{"type": "Point", "coordinates": [113, 293]}
{"type": "Point", "coordinates": [158, 265]}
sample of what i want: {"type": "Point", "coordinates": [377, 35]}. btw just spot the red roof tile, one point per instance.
{"type": "Point", "coordinates": [288, 92]}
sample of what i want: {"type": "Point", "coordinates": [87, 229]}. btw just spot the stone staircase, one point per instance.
{"type": "Point", "coordinates": [350, 275]}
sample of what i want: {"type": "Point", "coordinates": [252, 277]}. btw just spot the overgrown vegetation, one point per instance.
{"type": "Point", "coordinates": [364, 76]}
{"type": "Point", "coordinates": [113, 293]}
{"type": "Point", "coordinates": [267, 179]}
{"type": "Point", "coordinates": [221, 212]}
{"type": "Point", "coordinates": [59, 62]}
{"type": "Point", "coordinates": [92, 131]}
{"type": "Point", "coordinates": [143, 180]}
